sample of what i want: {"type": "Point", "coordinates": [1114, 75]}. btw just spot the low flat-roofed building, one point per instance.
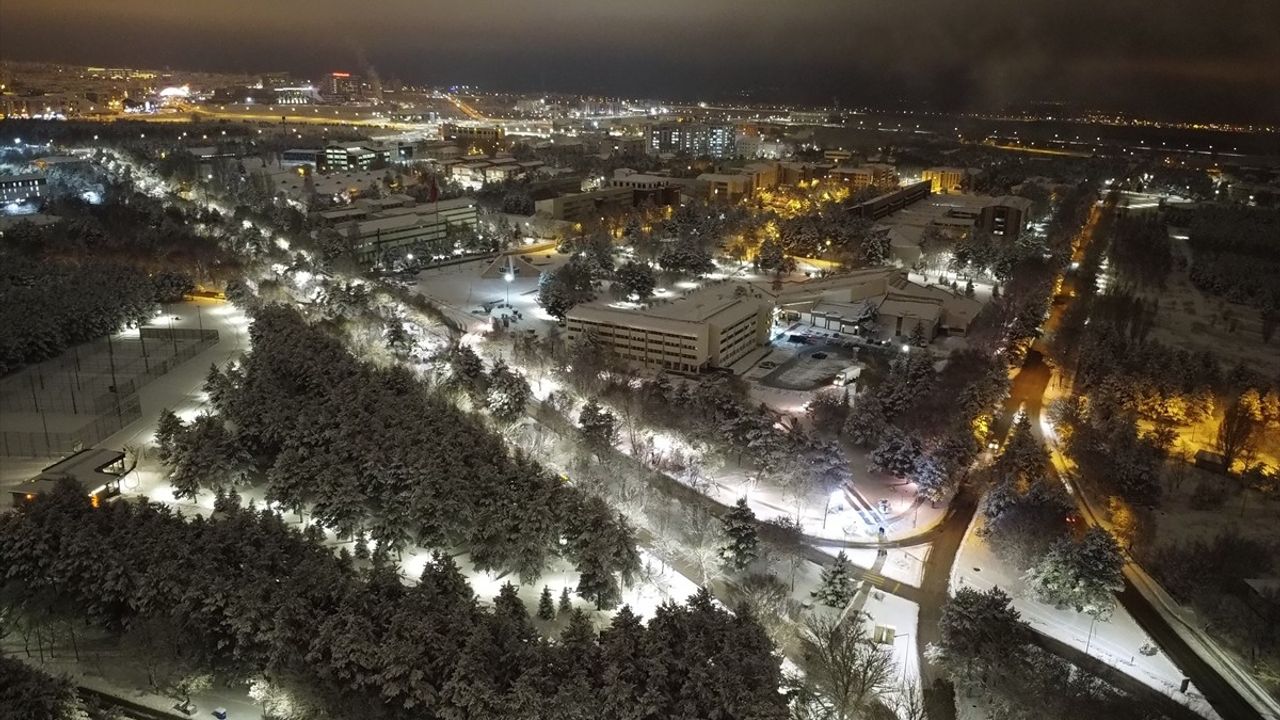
{"type": "Point", "coordinates": [712, 327]}
{"type": "Point", "coordinates": [347, 184]}
{"type": "Point", "coordinates": [890, 202]}
{"type": "Point", "coordinates": [97, 471]}
{"type": "Point", "coordinates": [843, 303]}
{"type": "Point", "coordinates": [899, 314]}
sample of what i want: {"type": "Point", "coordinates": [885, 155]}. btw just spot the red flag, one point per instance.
{"type": "Point", "coordinates": [434, 192]}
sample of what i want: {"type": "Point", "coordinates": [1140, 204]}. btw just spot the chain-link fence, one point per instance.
{"type": "Point", "coordinates": [90, 391]}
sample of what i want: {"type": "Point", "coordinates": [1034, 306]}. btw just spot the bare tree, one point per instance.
{"type": "Point", "coordinates": [1236, 433]}
{"type": "Point", "coordinates": [845, 672]}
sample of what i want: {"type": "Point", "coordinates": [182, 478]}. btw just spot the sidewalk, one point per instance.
{"type": "Point", "coordinates": [1117, 641]}
{"type": "Point", "coordinates": [1181, 620]}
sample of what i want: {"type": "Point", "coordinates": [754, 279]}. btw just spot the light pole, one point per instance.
{"type": "Point", "coordinates": [1089, 641]}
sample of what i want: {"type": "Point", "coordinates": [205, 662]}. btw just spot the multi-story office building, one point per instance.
{"type": "Point", "coordinates": [713, 327]}
{"type": "Point", "coordinates": [945, 179]}
{"type": "Point", "coordinates": [1005, 216]}
{"type": "Point", "coordinates": [339, 157]}
{"type": "Point", "coordinates": [342, 85]}
{"type": "Point", "coordinates": [865, 176]}
{"type": "Point", "coordinates": [474, 139]}
{"type": "Point", "coordinates": [696, 139]}
{"type": "Point", "coordinates": [349, 156]}
{"type": "Point", "coordinates": [655, 189]}
{"type": "Point", "coordinates": [374, 229]}
{"type": "Point", "coordinates": [18, 188]}
{"type": "Point", "coordinates": [583, 207]}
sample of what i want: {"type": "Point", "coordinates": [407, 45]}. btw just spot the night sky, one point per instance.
{"type": "Point", "coordinates": [1189, 59]}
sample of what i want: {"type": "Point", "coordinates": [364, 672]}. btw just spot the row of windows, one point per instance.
{"type": "Point", "coordinates": [611, 330]}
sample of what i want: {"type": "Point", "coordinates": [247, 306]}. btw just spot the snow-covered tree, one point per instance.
{"type": "Point", "coordinates": [599, 426]}
{"type": "Point", "coordinates": [508, 392]}
{"type": "Point", "coordinates": [566, 286]}
{"type": "Point", "coordinates": [635, 280]}
{"type": "Point", "coordinates": [742, 545]}
{"type": "Point", "coordinates": [838, 583]}
{"type": "Point", "coordinates": [919, 337]}
{"type": "Point", "coordinates": [896, 454]}
{"type": "Point", "coordinates": [866, 422]}
{"type": "Point", "coordinates": [980, 632]}
{"type": "Point", "coordinates": [931, 477]}
{"type": "Point", "coordinates": [845, 672]}
{"type": "Point", "coordinates": [1022, 454]}
{"type": "Point", "coordinates": [546, 604]}
{"type": "Point", "coordinates": [1084, 575]}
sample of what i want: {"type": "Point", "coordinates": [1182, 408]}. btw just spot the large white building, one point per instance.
{"type": "Point", "coordinates": [712, 327]}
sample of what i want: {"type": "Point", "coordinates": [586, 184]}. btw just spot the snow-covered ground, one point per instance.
{"type": "Point", "coordinates": [1117, 640]}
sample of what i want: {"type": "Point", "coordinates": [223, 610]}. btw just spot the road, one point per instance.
{"type": "Point", "coordinates": [935, 585]}
{"type": "Point", "coordinates": [1027, 392]}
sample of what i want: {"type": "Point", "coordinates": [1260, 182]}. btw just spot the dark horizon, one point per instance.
{"type": "Point", "coordinates": [1115, 56]}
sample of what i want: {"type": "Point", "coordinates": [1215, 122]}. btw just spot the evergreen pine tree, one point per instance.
{"type": "Point", "coordinates": [918, 336]}
{"type": "Point", "coordinates": [546, 604]}
{"type": "Point", "coordinates": [838, 583]}
{"type": "Point", "coordinates": [566, 605]}
{"type": "Point", "coordinates": [742, 545]}
{"type": "Point", "coordinates": [362, 546]}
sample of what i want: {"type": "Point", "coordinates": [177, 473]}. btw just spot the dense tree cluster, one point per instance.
{"type": "Point", "coordinates": [918, 423]}
{"type": "Point", "coordinates": [714, 412]}
{"type": "Point", "coordinates": [372, 449]}
{"type": "Point", "coordinates": [1235, 254]}
{"type": "Point", "coordinates": [1209, 574]}
{"type": "Point", "coordinates": [1027, 517]}
{"type": "Point", "coordinates": [836, 234]}
{"type": "Point", "coordinates": [568, 285]}
{"type": "Point", "coordinates": [1141, 251]}
{"type": "Point", "coordinates": [245, 597]}
{"type": "Point", "coordinates": [46, 307]}
{"type": "Point", "coordinates": [1083, 573]}
{"type": "Point", "coordinates": [29, 693]}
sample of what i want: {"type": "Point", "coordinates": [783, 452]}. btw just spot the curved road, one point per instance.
{"type": "Point", "coordinates": [1027, 392]}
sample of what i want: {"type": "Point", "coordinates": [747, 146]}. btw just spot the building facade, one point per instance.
{"type": "Point", "coordinates": [696, 139]}
{"type": "Point", "coordinates": [424, 226]}
{"type": "Point", "coordinates": [20, 188]}
{"type": "Point", "coordinates": [710, 328]}
{"type": "Point", "coordinates": [587, 206]}
{"type": "Point", "coordinates": [1005, 216]}
{"type": "Point", "coordinates": [945, 179]}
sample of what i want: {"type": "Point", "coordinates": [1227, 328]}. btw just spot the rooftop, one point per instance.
{"type": "Point", "coordinates": [722, 302]}
{"type": "Point", "coordinates": [87, 467]}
